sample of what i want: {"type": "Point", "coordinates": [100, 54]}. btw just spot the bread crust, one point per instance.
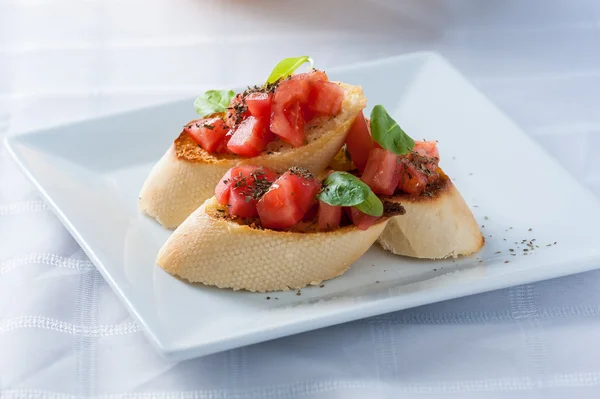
{"type": "Point", "coordinates": [218, 251]}
{"type": "Point", "coordinates": [436, 225]}
{"type": "Point", "coordinates": [186, 175]}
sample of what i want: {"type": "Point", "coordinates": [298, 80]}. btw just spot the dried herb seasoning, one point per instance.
{"type": "Point", "coordinates": [301, 172]}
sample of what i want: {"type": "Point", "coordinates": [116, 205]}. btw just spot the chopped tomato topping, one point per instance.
{"type": "Point", "coordinates": [311, 214]}
{"type": "Point", "coordinates": [241, 203]}
{"type": "Point", "coordinates": [359, 142]}
{"type": "Point", "coordinates": [240, 188]}
{"type": "Point", "coordinates": [314, 76]}
{"type": "Point", "coordinates": [360, 220]}
{"type": "Point", "coordinates": [382, 172]}
{"type": "Point", "coordinates": [306, 188]}
{"type": "Point", "coordinates": [222, 148]}
{"type": "Point", "coordinates": [278, 209]}
{"type": "Point", "coordinates": [428, 156]}
{"type": "Point", "coordinates": [222, 190]}
{"type": "Point", "coordinates": [427, 149]}
{"type": "Point", "coordinates": [326, 98]}
{"type": "Point", "coordinates": [298, 99]}
{"type": "Point", "coordinates": [329, 216]}
{"type": "Point", "coordinates": [237, 111]}
{"type": "Point", "coordinates": [287, 201]}
{"type": "Point", "coordinates": [208, 133]}
{"type": "Point", "coordinates": [250, 137]}
{"type": "Point", "coordinates": [286, 114]}
{"type": "Point", "coordinates": [412, 181]}
{"type": "Point", "coordinates": [259, 104]}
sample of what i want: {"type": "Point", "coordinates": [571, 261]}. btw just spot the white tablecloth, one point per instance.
{"type": "Point", "coordinates": [63, 333]}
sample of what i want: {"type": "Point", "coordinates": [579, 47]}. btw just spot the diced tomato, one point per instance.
{"type": "Point", "coordinates": [250, 137]}
{"type": "Point", "coordinates": [311, 214]}
{"type": "Point", "coordinates": [293, 90]}
{"type": "Point", "coordinates": [222, 148]}
{"type": "Point", "coordinates": [237, 111]}
{"type": "Point", "coordinates": [359, 142]}
{"type": "Point", "coordinates": [412, 180]}
{"type": "Point", "coordinates": [308, 114]}
{"type": "Point", "coordinates": [241, 204]}
{"type": "Point", "coordinates": [208, 133]}
{"type": "Point", "coordinates": [427, 149]}
{"type": "Point", "coordinates": [237, 188]}
{"type": "Point", "coordinates": [313, 76]}
{"type": "Point", "coordinates": [278, 209]}
{"type": "Point", "coordinates": [382, 172]}
{"type": "Point", "coordinates": [359, 219]}
{"type": "Point", "coordinates": [259, 104]}
{"type": "Point", "coordinates": [287, 120]}
{"type": "Point", "coordinates": [329, 216]}
{"type": "Point", "coordinates": [319, 75]}
{"type": "Point", "coordinates": [326, 98]}
{"type": "Point", "coordinates": [223, 188]}
{"type": "Point", "coordinates": [286, 202]}
{"type": "Point", "coordinates": [289, 124]}
{"type": "Point", "coordinates": [305, 190]}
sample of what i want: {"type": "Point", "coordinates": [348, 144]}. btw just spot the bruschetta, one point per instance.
{"type": "Point", "coordinates": [438, 223]}
{"type": "Point", "coordinates": [268, 232]}
{"type": "Point", "coordinates": [292, 120]}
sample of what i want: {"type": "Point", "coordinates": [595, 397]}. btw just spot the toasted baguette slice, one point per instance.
{"type": "Point", "coordinates": [437, 225]}
{"type": "Point", "coordinates": [187, 175]}
{"type": "Point", "coordinates": [212, 249]}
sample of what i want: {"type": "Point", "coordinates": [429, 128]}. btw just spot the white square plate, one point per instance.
{"type": "Point", "coordinates": [91, 173]}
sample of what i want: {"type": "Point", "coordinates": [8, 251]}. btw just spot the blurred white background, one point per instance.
{"type": "Point", "coordinates": [62, 60]}
{"type": "Point", "coordinates": [65, 59]}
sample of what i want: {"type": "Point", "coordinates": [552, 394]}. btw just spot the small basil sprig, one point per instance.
{"type": "Point", "coordinates": [213, 102]}
{"type": "Point", "coordinates": [386, 132]}
{"type": "Point", "coordinates": [344, 189]}
{"type": "Point", "coordinates": [286, 67]}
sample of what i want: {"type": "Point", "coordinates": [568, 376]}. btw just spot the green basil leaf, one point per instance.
{"type": "Point", "coordinates": [213, 101]}
{"type": "Point", "coordinates": [386, 132]}
{"type": "Point", "coordinates": [371, 206]}
{"type": "Point", "coordinates": [345, 189]}
{"type": "Point", "coordinates": [286, 67]}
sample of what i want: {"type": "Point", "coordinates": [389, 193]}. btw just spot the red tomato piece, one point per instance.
{"type": "Point", "coordinates": [359, 219]}
{"type": "Point", "coordinates": [223, 188]}
{"type": "Point", "coordinates": [286, 202]}
{"type": "Point", "coordinates": [427, 149]}
{"type": "Point", "coordinates": [305, 190]}
{"type": "Point", "coordinates": [259, 104]}
{"type": "Point", "coordinates": [312, 76]}
{"type": "Point", "coordinates": [222, 148]}
{"type": "Point", "coordinates": [317, 75]}
{"type": "Point", "coordinates": [250, 137]}
{"type": "Point", "coordinates": [382, 172]}
{"type": "Point", "coordinates": [208, 133]}
{"type": "Point", "coordinates": [287, 120]}
{"type": "Point", "coordinates": [412, 180]}
{"type": "Point", "coordinates": [311, 214]}
{"type": "Point", "coordinates": [278, 209]}
{"type": "Point", "coordinates": [329, 216]}
{"type": "Point", "coordinates": [292, 90]}
{"type": "Point", "coordinates": [308, 114]}
{"type": "Point", "coordinates": [241, 204]}
{"type": "Point", "coordinates": [238, 110]}
{"type": "Point", "coordinates": [359, 142]}
{"type": "Point", "coordinates": [326, 98]}
{"type": "Point", "coordinates": [237, 189]}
